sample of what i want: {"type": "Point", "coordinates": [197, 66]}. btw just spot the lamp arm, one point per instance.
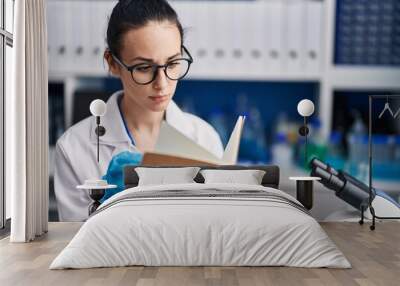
{"type": "Point", "coordinates": [305, 146]}
{"type": "Point", "coordinates": [98, 138]}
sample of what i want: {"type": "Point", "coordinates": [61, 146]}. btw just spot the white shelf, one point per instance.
{"type": "Point", "coordinates": [61, 76]}
{"type": "Point", "coordinates": [296, 77]}
{"type": "Point", "coordinates": [365, 78]}
{"type": "Point", "coordinates": [234, 76]}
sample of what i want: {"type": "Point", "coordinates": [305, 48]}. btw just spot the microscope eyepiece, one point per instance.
{"type": "Point", "coordinates": [317, 163]}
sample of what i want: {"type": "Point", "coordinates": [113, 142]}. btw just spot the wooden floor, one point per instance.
{"type": "Point", "coordinates": [374, 255]}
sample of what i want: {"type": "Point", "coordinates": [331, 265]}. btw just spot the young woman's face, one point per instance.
{"type": "Point", "coordinates": [159, 43]}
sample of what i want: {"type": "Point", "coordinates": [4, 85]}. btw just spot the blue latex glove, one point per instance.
{"type": "Point", "coordinates": [115, 171]}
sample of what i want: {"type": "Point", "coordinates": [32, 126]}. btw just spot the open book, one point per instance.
{"type": "Point", "coordinates": [175, 149]}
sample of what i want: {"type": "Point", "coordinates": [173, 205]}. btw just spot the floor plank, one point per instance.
{"type": "Point", "coordinates": [374, 255]}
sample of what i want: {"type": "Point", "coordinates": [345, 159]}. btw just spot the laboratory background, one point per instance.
{"type": "Point", "coordinates": [259, 59]}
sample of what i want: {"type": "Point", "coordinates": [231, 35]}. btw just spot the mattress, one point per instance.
{"type": "Point", "coordinates": [201, 225]}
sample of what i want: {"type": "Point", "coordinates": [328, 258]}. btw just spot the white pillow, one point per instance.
{"type": "Point", "coordinates": [248, 177]}
{"type": "Point", "coordinates": [162, 176]}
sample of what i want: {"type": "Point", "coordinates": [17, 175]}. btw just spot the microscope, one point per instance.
{"type": "Point", "coordinates": [355, 192]}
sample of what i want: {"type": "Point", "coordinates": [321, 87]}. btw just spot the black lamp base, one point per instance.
{"type": "Point", "coordinates": [304, 193]}
{"type": "Point", "coordinates": [95, 195]}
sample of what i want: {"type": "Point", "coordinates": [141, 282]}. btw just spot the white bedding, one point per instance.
{"type": "Point", "coordinates": [181, 231]}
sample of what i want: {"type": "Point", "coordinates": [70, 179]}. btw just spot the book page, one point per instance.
{"type": "Point", "coordinates": [232, 148]}
{"type": "Point", "coordinates": [173, 142]}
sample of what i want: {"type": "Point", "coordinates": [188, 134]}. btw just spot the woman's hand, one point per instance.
{"type": "Point", "coordinates": [115, 171]}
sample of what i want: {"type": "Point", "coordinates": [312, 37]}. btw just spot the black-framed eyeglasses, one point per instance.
{"type": "Point", "coordinates": [145, 73]}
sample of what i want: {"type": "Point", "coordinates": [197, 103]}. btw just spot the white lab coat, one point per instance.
{"type": "Point", "coordinates": [76, 152]}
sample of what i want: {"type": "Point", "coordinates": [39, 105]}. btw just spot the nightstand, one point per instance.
{"type": "Point", "coordinates": [304, 190]}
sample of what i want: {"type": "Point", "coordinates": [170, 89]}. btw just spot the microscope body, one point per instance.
{"type": "Point", "coordinates": [346, 187]}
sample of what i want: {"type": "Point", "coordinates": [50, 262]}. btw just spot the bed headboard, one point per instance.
{"type": "Point", "coordinates": [270, 179]}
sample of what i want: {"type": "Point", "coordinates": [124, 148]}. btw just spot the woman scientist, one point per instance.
{"type": "Point", "coordinates": [146, 51]}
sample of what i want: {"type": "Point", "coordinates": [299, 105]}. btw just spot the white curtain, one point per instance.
{"type": "Point", "coordinates": [27, 124]}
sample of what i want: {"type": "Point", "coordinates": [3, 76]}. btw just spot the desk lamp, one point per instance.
{"type": "Point", "coordinates": [97, 187]}
{"type": "Point", "coordinates": [304, 185]}
{"type": "Point", "coordinates": [305, 108]}
{"type": "Point", "coordinates": [98, 108]}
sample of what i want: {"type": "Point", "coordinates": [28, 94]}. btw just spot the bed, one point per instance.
{"type": "Point", "coordinates": [201, 224]}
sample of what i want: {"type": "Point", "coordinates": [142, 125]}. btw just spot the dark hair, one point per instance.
{"type": "Point", "coordinates": [131, 14]}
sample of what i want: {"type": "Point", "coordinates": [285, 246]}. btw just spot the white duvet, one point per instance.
{"type": "Point", "coordinates": [182, 231]}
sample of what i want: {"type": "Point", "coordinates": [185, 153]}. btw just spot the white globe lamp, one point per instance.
{"type": "Point", "coordinates": [98, 107]}
{"type": "Point", "coordinates": [305, 107]}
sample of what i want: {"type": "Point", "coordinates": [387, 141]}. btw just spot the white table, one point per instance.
{"type": "Point", "coordinates": [95, 193]}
